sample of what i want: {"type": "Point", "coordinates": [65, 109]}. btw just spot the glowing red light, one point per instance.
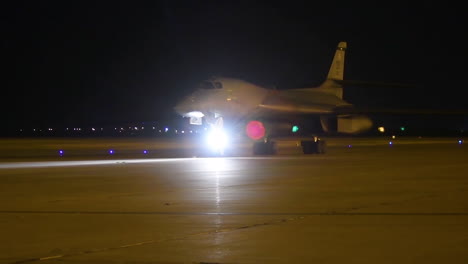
{"type": "Point", "coordinates": [255, 130]}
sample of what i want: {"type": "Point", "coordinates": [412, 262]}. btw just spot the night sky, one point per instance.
{"type": "Point", "coordinates": [103, 62]}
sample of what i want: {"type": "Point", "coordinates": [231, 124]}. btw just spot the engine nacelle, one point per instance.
{"type": "Point", "coordinates": [347, 124]}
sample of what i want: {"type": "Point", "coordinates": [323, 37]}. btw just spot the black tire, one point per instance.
{"type": "Point", "coordinates": [309, 146]}
{"type": "Point", "coordinates": [313, 147]}
{"type": "Point", "coordinates": [321, 147]}
{"type": "Point", "coordinates": [264, 148]}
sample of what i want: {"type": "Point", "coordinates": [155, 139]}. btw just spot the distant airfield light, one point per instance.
{"type": "Point", "coordinates": [183, 132]}
{"type": "Point", "coordinates": [111, 151]}
{"type": "Point", "coordinates": [143, 128]}
{"type": "Point", "coordinates": [166, 129]}
{"type": "Point", "coordinates": [160, 131]}
{"type": "Point", "coordinates": [402, 128]}
{"type": "Point", "coordinates": [154, 128]}
{"type": "Point", "coordinates": [390, 143]}
{"type": "Point", "coordinates": [381, 129]}
{"type": "Point", "coordinates": [93, 129]}
{"type": "Point", "coordinates": [145, 152]}
{"type": "Point", "coordinates": [393, 137]}
{"type": "Point", "coordinates": [294, 129]}
{"type": "Point", "coordinates": [350, 146]}
{"type": "Point", "coordinates": [60, 152]}
{"type": "Point", "coordinates": [460, 141]}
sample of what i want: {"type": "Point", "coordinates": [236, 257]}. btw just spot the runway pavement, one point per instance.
{"type": "Point", "coordinates": [365, 201]}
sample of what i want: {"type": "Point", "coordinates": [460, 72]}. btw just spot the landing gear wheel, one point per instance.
{"type": "Point", "coordinates": [264, 148]}
{"type": "Point", "coordinates": [315, 146]}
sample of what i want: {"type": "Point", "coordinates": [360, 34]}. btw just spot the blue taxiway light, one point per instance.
{"type": "Point", "coordinates": [111, 151]}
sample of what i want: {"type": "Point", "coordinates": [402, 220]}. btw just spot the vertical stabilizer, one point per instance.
{"type": "Point", "coordinates": [337, 68]}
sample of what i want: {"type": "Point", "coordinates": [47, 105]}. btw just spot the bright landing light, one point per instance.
{"type": "Point", "coordinates": [217, 139]}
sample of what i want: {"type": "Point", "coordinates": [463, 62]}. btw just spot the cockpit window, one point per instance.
{"type": "Point", "coordinates": [218, 85]}
{"type": "Point", "coordinates": [210, 85]}
{"type": "Point", "coordinates": [207, 85]}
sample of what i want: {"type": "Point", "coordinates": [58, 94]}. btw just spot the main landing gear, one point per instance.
{"type": "Point", "coordinates": [314, 146]}
{"type": "Point", "coordinates": [310, 146]}
{"type": "Point", "coordinates": [265, 147]}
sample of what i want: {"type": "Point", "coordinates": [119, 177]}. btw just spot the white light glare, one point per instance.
{"type": "Point", "coordinates": [217, 139]}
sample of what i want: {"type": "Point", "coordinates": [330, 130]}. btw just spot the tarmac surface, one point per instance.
{"type": "Point", "coordinates": [364, 201]}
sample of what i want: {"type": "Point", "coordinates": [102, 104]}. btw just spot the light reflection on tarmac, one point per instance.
{"type": "Point", "coordinates": [371, 203]}
{"type": "Point", "coordinates": [42, 164]}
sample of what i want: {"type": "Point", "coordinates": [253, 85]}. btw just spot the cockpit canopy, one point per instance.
{"type": "Point", "coordinates": [210, 85]}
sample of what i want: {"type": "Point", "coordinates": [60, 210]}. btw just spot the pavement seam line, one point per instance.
{"type": "Point", "coordinates": [216, 231]}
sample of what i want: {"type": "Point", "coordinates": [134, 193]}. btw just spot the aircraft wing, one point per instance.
{"type": "Point", "coordinates": [296, 109]}
{"type": "Point", "coordinates": [398, 111]}
{"type": "Point", "coordinates": [300, 102]}
{"type": "Point", "coordinates": [303, 102]}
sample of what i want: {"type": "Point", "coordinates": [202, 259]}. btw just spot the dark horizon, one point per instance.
{"type": "Point", "coordinates": [115, 62]}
